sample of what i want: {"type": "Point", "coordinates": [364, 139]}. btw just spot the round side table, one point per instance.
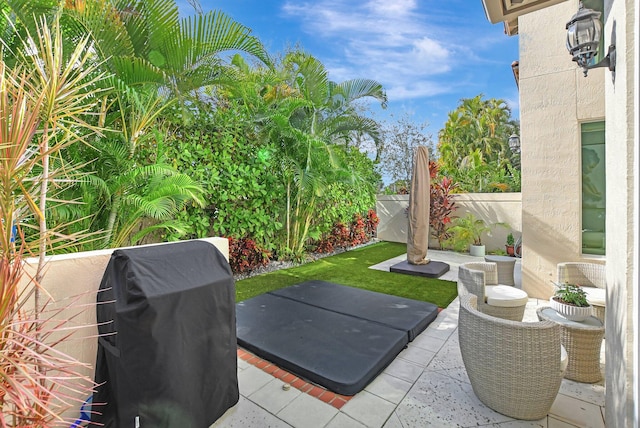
{"type": "Point", "coordinates": [583, 341]}
{"type": "Point", "coordinates": [505, 267]}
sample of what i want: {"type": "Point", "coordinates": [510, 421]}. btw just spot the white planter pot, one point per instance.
{"type": "Point", "coordinates": [573, 313]}
{"type": "Point", "coordinates": [476, 250]}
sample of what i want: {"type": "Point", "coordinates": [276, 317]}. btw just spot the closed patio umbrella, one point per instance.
{"type": "Point", "coordinates": [419, 200]}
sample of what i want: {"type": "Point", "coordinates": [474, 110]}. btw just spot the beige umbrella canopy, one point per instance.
{"type": "Point", "coordinates": [419, 200]}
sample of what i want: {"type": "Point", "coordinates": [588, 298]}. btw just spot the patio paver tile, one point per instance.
{"type": "Point", "coordinates": [555, 423]}
{"type": "Point", "coordinates": [252, 379]}
{"type": "Point", "coordinates": [307, 412]}
{"type": "Point", "coordinates": [591, 393]}
{"type": "Point", "coordinates": [520, 424]}
{"type": "Point", "coordinates": [242, 364]}
{"type": "Point", "coordinates": [577, 412]}
{"type": "Point", "coordinates": [428, 343]}
{"type": "Point", "coordinates": [441, 330]}
{"type": "Point", "coordinates": [389, 387]}
{"type": "Point", "coordinates": [437, 400]}
{"type": "Point", "coordinates": [417, 355]}
{"type": "Point", "coordinates": [393, 422]}
{"type": "Point", "coordinates": [404, 370]}
{"type": "Point", "coordinates": [369, 409]}
{"type": "Point", "coordinates": [272, 397]}
{"type": "Point", "coordinates": [342, 420]}
{"type": "Point", "coordinates": [247, 414]}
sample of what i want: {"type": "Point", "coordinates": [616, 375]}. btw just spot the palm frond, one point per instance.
{"type": "Point", "coordinates": [26, 14]}
{"type": "Point", "coordinates": [179, 228]}
{"type": "Point", "coordinates": [102, 20]}
{"type": "Point", "coordinates": [355, 89]}
{"type": "Point", "coordinates": [136, 71]}
{"type": "Point", "coordinates": [216, 32]}
{"type": "Point", "coordinates": [162, 22]}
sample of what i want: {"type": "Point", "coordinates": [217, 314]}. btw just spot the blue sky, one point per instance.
{"type": "Point", "coordinates": [428, 54]}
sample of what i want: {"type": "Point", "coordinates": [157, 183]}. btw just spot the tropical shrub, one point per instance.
{"type": "Point", "coordinates": [359, 231]}
{"type": "Point", "coordinates": [310, 119]}
{"type": "Point", "coordinates": [245, 255]}
{"type": "Point", "coordinates": [353, 194]}
{"type": "Point", "coordinates": [338, 237]}
{"type": "Point", "coordinates": [469, 229]}
{"type": "Point", "coordinates": [371, 223]}
{"type": "Point", "coordinates": [243, 194]}
{"type": "Point", "coordinates": [441, 209]}
{"type": "Point", "coordinates": [157, 61]}
{"type": "Point", "coordinates": [474, 149]}
{"type": "Point", "coordinates": [475, 175]}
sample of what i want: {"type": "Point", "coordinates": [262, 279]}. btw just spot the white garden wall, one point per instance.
{"type": "Point", "coordinates": [493, 208]}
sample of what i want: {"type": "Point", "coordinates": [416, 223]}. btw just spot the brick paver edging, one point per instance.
{"type": "Point", "coordinates": [329, 397]}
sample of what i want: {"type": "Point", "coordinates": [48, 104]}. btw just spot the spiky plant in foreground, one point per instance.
{"type": "Point", "coordinates": [43, 100]}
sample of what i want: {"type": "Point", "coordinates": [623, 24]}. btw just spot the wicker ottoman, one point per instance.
{"type": "Point", "coordinates": [582, 341]}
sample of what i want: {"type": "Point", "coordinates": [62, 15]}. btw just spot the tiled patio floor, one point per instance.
{"type": "Point", "coordinates": [426, 385]}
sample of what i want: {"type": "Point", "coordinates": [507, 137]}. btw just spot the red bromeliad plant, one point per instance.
{"type": "Point", "coordinates": [359, 231]}
{"type": "Point", "coordinates": [371, 223]}
{"type": "Point", "coordinates": [338, 237]}
{"type": "Point", "coordinates": [245, 255]}
{"type": "Point", "coordinates": [442, 205]}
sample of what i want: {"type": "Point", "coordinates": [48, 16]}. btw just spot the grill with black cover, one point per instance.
{"type": "Point", "coordinates": [167, 346]}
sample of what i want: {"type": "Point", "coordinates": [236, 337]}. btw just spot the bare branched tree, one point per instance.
{"type": "Point", "coordinates": [401, 137]}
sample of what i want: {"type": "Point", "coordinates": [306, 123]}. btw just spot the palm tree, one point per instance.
{"type": "Point", "coordinates": [330, 113]}
{"type": "Point", "coordinates": [145, 42]}
{"type": "Point", "coordinates": [297, 108]}
{"type": "Point", "coordinates": [307, 125]}
{"type": "Point", "coordinates": [476, 135]}
{"type": "Point", "coordinates": [129, 193]}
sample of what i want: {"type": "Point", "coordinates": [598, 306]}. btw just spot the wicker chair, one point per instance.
{"type": "Point", "coordinates": [515, 368]}
{"type": "Point", "coordinates": [481, 280]}
{"type": "Point", "coordinates": [592, 277]}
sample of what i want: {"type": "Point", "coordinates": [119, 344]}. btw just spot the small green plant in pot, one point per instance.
{"type": "Point", "coordinates": [470, 229]}
{"type": "Point", "coordinates": [509, 245]}
{"type": "Point", "coordinates": [571, 302]}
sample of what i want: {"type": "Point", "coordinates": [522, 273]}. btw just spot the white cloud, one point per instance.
{"type": "Point", "coordinates": [391, 8]}
{"type": "Point", "coordinates": [385, 40]}
{"type": "Point", "coordinates": [514, 105]}
{"type": "Point", "coordinates": [417, 90]}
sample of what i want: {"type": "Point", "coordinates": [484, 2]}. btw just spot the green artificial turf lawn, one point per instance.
{"type": "Point", "coordinates": [352, 268]}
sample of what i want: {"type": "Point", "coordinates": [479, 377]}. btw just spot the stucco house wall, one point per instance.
{"type": "Point", "coordinates": [555, 98]}
{"type": "Point", "coordinates": [622, 110]}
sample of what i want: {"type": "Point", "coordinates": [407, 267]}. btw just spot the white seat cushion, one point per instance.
{"type": "Point", "coordinates": [596, 296]}
{"type": "Point", "coordinates": [564, 358]}
{"type": "Point", "coordinates": [505, 296]}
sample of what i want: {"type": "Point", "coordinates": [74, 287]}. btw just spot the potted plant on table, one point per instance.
{"type": "Point", "coordinates": [571, 302]}
{"type": "Point", "coordinates": [509, 246]}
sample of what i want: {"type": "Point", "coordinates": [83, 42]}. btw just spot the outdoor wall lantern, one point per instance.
{"type": "Point", "coordinates": [583, 37]}
{"type": "Point", "coordinates": [514, 143]}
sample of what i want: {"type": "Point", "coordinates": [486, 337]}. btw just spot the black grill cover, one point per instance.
{"type": "Point", "coordinates": [169, 357]}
